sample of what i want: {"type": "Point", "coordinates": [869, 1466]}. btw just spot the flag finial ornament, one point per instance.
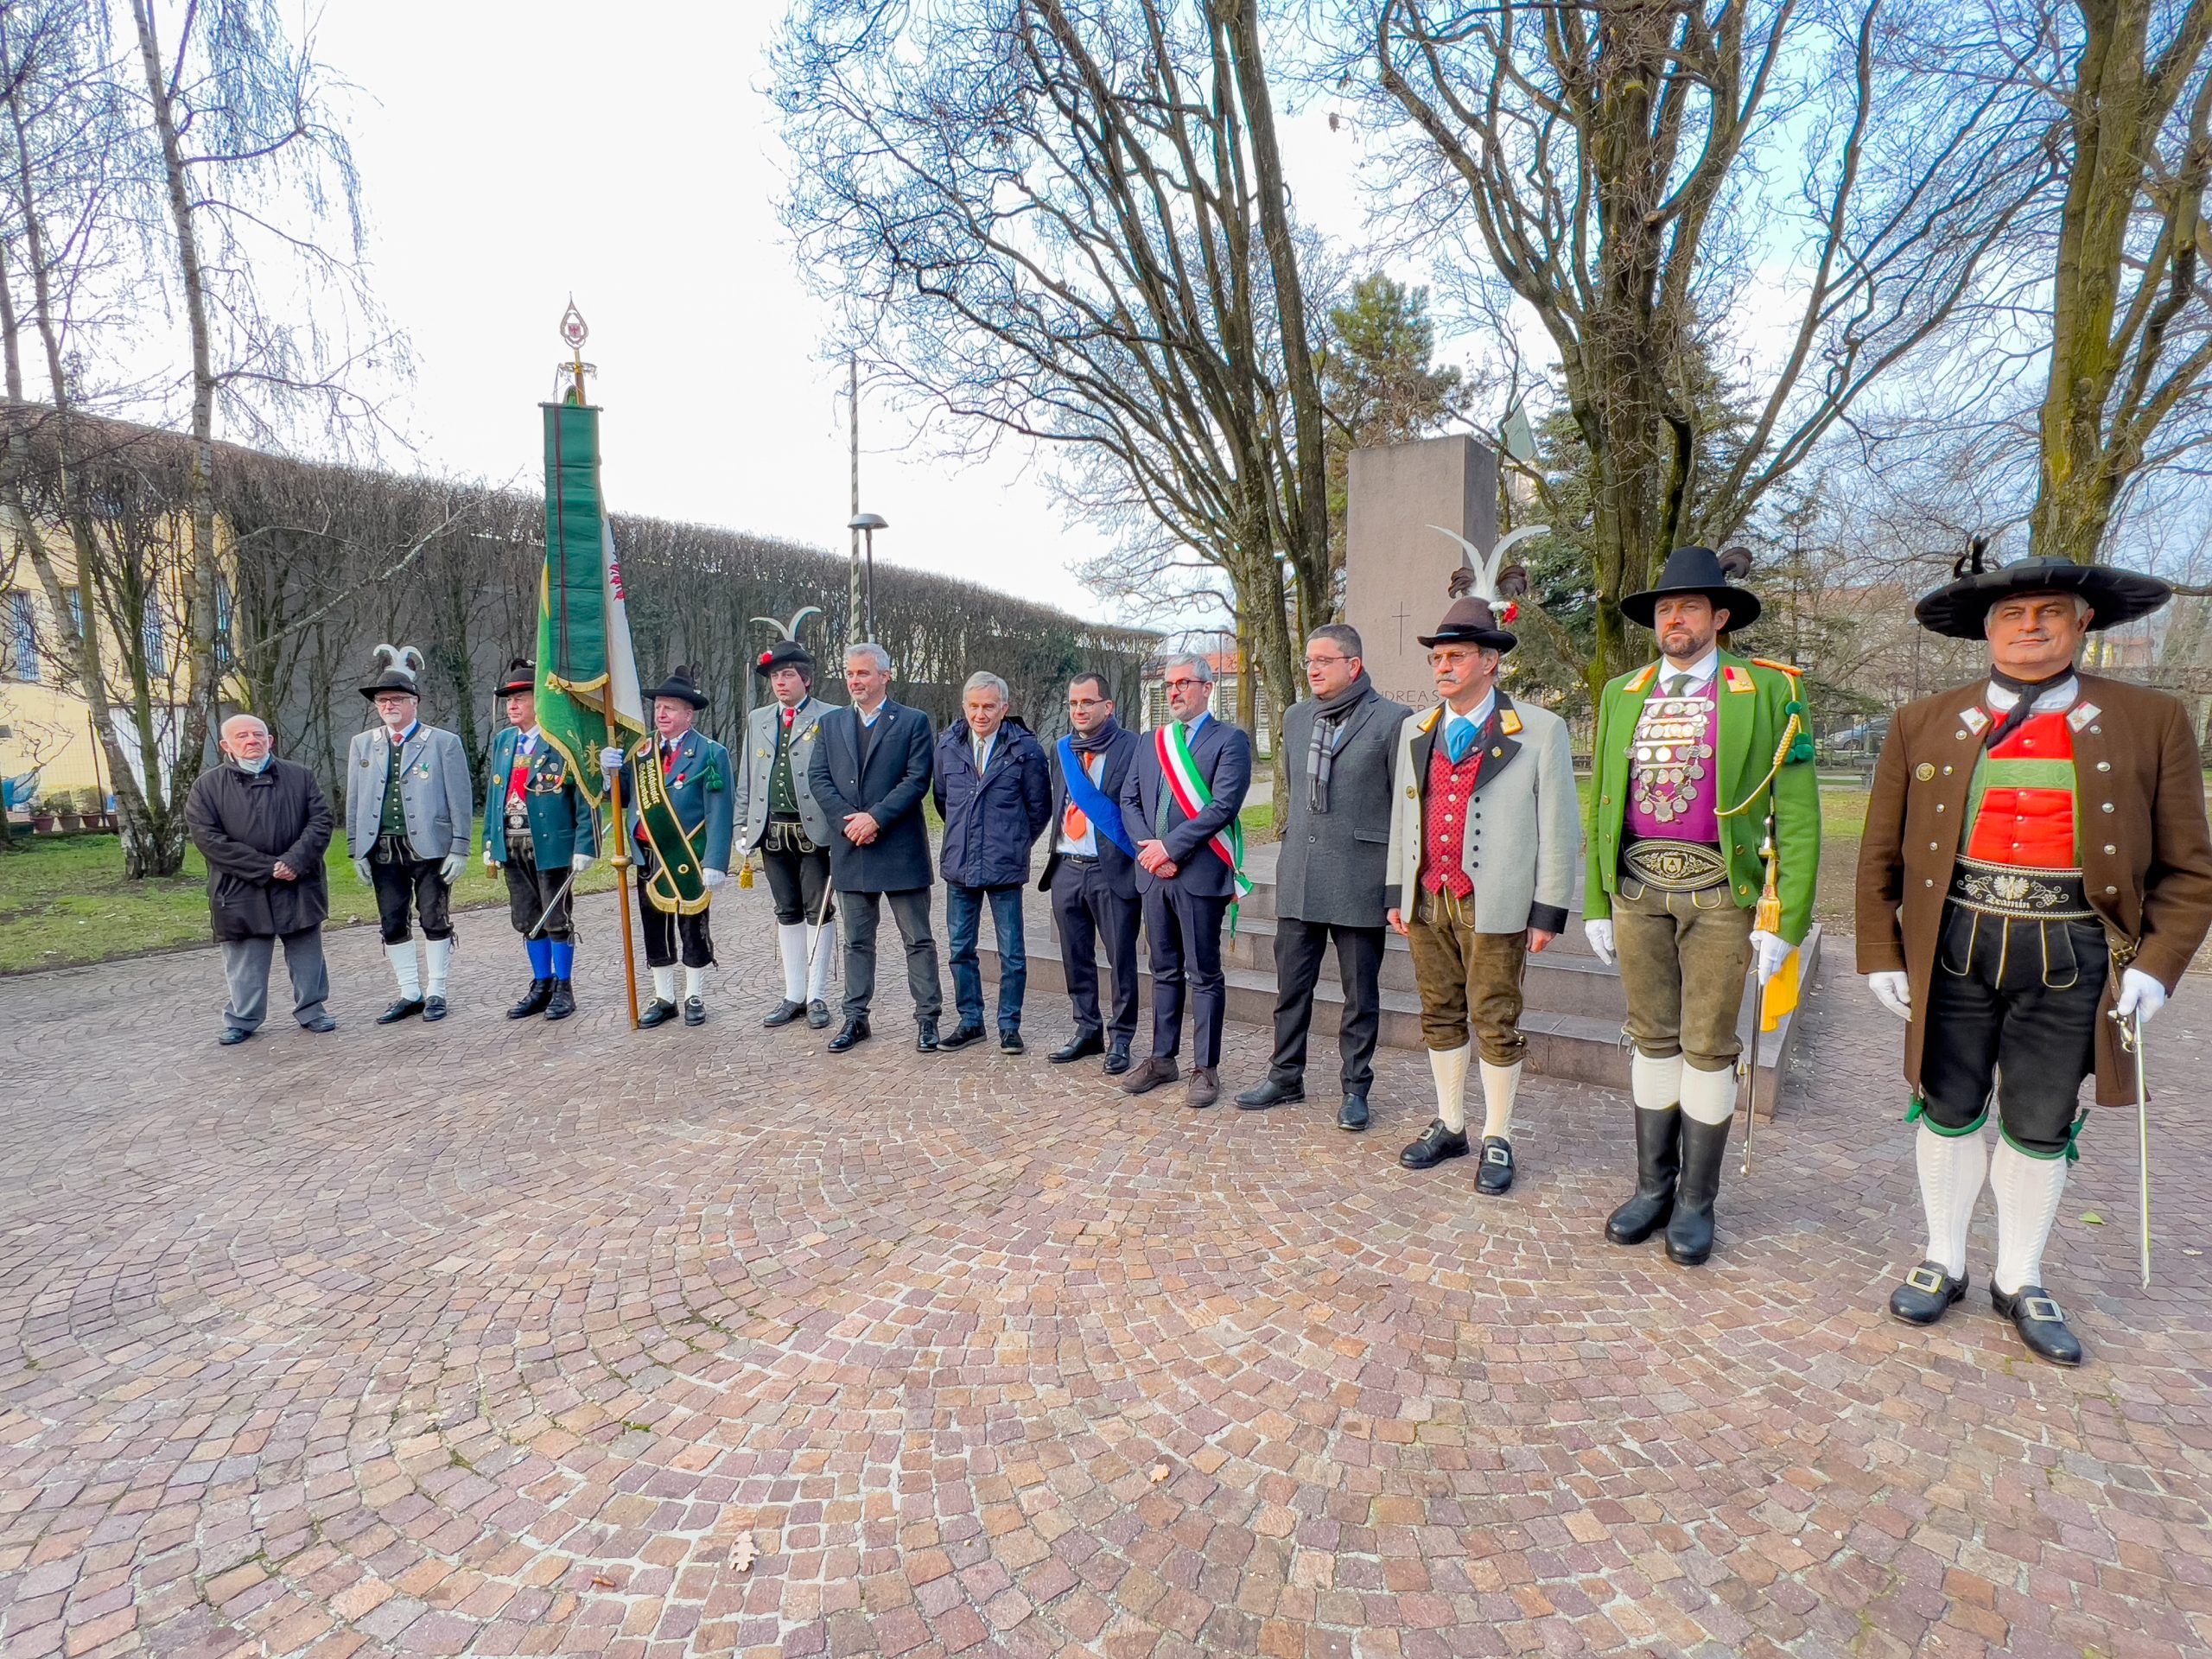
{"type": "Point", "coordinates": [573, 333]}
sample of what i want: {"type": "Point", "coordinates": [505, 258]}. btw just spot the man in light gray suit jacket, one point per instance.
{"type": "Point", "coordinates": [409, 814]}
{"type": "Point", "coordinates": [1485, 832]}
{"type": "Point", "coordinates": [1339, 748]}
{"type": "Point", "coordinates": [778, 817]}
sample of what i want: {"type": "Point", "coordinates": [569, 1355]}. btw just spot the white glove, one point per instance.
{"type": "Point", "coordinates": [361, 869]}
{"type": "Point", "coordinates": [490, 862]}
{"type": "Point", "coordinates": [1769, 952]}
{"type": "Point", "coordinates": [583, 862]}
{"type": "Point", "coordinates": [1893, 990]}
{"type": "Point", "coordinates": [1600, 931]}
{"type": "Point", "coordinates": [449, 871]}
{"type": "Point", "coordinates": [714, 877]}
{"type": "Point", "coordinates": [2140, 995]}
{"type": "Point", "coordinates": [610, 761]}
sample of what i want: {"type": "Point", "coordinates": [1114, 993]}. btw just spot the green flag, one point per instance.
{"type": "Point", "coordinates": [585, 664]}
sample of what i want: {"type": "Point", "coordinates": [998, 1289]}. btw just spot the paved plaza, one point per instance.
{"type": "Point", "coordinates": [495, 1338]}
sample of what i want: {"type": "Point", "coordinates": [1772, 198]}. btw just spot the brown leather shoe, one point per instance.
{"type": "Point", "coordinates": [1205, 1090]}
{"type": "Point", "coordinates": [1150, 1074]}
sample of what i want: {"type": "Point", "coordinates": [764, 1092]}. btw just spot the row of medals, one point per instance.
{"type": "Point", "coordinates": [1670, 755]}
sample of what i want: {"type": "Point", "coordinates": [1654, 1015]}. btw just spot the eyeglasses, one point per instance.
{"type": "Point", "coordinates": [1184, 685]}
{"type": "Point", "coordinates": [1088, 702]}
{"type": "Point", "coordinates": [1318, 662]}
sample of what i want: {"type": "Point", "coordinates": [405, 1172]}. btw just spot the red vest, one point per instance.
{"type": "Point", "coordinates": [1444, 819]}
{"type": "Point", "coordinates": [2022, 798]}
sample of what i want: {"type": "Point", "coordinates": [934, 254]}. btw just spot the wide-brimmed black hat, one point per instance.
{"type": "Point", "coordinates": [521, 676]}
{"type": "Point", "coordinates": [1471, 622]}
{"type": "Point", "coordinates": [394, 670]}
{"type": "Point", "coordinates": [785, 653]}
{"type": "Point", "coordinates": [677, 684]}
{"type": "Point", "coordinates": [1699, 571]}
{"type": "Point", "coordinates": [1960, 608]}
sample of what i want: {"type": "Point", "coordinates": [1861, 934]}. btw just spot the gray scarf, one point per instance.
{"type": "Point", "coordinates": [1331, 717]}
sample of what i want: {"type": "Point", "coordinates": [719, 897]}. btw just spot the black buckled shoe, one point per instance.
{"type": "Point", "coordinates": [695, 1011]}
{"type": "Point", "coordinates": [563, 1002]}
{"type": "Point", "coordinates": [1082, 1046]}
{"type": "Point", "coordinates": [658, 1011]}
{"type": "Point", "coordinates": [434, 1007]}
{"type": "Point", "coordinates": [1436, 1144]}
{"type": "Point", "coordinates": [406, 1008]}
{"type": "Point", "coordinates": [1658, 1161]}
{"type": "Point", "coordinates": [817, 1014]}
{"type": "Point", "coordinates": [1272, 1092]}
{"type": "Point", "coordinates": [1496, 1175]}
{"type": "Point", "coordinates": [2040, 1323]}
{"type": "Point", "coordinates": [782, 1014]}
{"type": "Point", "coordinates": [1689, 1230]}
{"type": "Point", "coordinates": [962, 1036]}
{"type": "Point", "coordinates": [1117, 1061]}
{"type": "Point", "coordinates": [855, 1033]}
{"type": "Point", "coordinates": [533, 999]}
{"type": "Point", "coordinates": [1352, 1115]}
{"type": "Point", "coordinates": [1926, 1294]}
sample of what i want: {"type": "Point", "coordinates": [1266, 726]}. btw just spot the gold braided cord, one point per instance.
{"type": "Point", "coordinates": [1790, 727]}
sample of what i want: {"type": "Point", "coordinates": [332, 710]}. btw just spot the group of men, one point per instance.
{"type": "Point", "coordinates": [2036, 875]}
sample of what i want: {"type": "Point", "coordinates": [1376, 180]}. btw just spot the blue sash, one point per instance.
{"type": "Point", "coordinates": [1105, 817]}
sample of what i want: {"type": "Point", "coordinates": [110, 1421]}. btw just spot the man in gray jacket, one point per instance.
{"type": "Point", "coordinates": [1338, 746]}
{"type": "Point", "coordinates": [409, 814]}
{"type": "Point", "coordinates": [779, 818]}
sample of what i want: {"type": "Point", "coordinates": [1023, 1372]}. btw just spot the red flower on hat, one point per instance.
{"type": "Point", "coordinates": [1512, 609]}
{"type": "Point", "coordinates": [765, 656]}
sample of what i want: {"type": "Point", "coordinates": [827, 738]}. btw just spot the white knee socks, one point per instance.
{"type": "Point", "coordinates": [437, 957]}
{"type": "Point", "coordinates": [2027, 1191]}
{"type": "Point", "coordinates": [1449, 1066]}
{"type": "Point", "coordinates": [1500, 1084]}
{"type": "Point", "coordinates": [664, 984]}
{"type": "Point", "coordinates": [1656, 1085]}
{"type": "Point", "coordinates": [695, 983]}
{"type": "Point", "coordinates": [404, 969]}
{"type": "Point", "coordinates": [825, 957]}
{"type": "Point", "coordinates": [1951, 1171]}
{"type": "Point", "coordinates": [790, 943]}
{"type": "Point", "coordinates": [1709, 1097]}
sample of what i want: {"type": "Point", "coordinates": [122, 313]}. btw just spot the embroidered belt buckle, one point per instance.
{"type": "Point", "coordinates": [517, 818]}
{"type": "Point", "coordinates": [2015, 894]}
{"type": "Point", "coordinates": [1927, 1279]}
{"type": "Point", "coordinates": [2043, 1311]}
{"type": "Point", "coordinates": [1674, 865]}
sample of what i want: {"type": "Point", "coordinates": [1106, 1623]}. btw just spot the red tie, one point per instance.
{"type": "Point", "coordinates": [789, 715]}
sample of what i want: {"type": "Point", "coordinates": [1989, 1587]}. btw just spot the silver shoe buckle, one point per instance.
{"type": "Point", "coordinates": [1496, 1155]}
{"type": "Point", "coordinates": [1926, 1279]}
{"type": "Point", "coordinates": [2043, 1310]}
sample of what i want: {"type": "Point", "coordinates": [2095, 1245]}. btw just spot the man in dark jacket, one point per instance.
{"type": "Point", "coordinates": [1340, 744]}
{"type": "Point", "coordinates": [870, 769]}
{"type": "Point", "coordinates": [1179, 804]}
{"type": "Point", "coordinates": [993, 791]}
{"type": "Point", "coordinates": [263, 825]}
{"type": "Point", "coordinates": [1091, 871]}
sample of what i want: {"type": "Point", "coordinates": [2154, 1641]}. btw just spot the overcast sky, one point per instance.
{"type": "Point", "coordinates": [513, 154]}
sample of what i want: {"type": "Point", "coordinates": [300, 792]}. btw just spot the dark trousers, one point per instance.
{"type": "Point", "coordinates": [1186, 932]}
{"type": "Point", "coordinates": [245, 968]}
{"type": "Point", "coordinates": [1299, 949]}
{"type": "Point", "coordinates": [1089, 911]}
{"type": "Point", "coordinates": [2019, 997]}
{"type": "Point", "coordinates": [963, 925]}
{"type": "Point", "coordinates": [534, 895]}
{"type": "Point", "coordinates": [911, 911]}
{"type": "Point", "coordinates": [402, 879]}
{"type": "Point", "coordinates": [664, 930]}
{"type": "Point", "coordinates": [797, 880]}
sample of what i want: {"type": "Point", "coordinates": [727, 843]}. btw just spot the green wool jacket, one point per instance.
{"type": "Point", "coordinates": [1756, 699]}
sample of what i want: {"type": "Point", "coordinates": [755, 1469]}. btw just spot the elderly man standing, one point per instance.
{"type": "Point", "coordinates": [408, 813]}
{"type": "Point", "coordinates": [538, 829]}
{"type": "Point", "coordinates": [1091, 873]}
{"type": "Point", "coordinates": [993, 789]}
{"type": "Point", "coordinates": [871, 769]}
{"type": "Point", "coordinates": [1179, 804]}
{"type": "Point", "coordinates": [780, 819]}
{"type": "Point", "coordinates": [262, 826]}
{"type": "Point", "coordinates": [683, 854]}
{"type": "Point", "coordinates": [1339, 748]}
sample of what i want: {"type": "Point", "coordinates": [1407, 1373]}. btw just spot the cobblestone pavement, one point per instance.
{"type": "Point", "coordinates": [506, 1339]}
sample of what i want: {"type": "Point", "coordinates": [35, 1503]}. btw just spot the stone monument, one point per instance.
{"type": "Point", "coordinates": [1397, 567]}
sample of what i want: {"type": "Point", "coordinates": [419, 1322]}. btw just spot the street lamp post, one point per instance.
{"type": "Point", "coordinates": [867, 524]}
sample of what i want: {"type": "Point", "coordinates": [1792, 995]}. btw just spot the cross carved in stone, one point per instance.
{"type": "Point", "coordinates": [1400, 615]}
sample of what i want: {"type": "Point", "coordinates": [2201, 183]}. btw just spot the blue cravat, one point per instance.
{"type": "Point", "coordinates": [1458, 737]}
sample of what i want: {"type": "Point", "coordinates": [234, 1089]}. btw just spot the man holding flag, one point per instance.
{"type": "Point", "coordinates": [683, 820]}
{"type": "Point", "coordinates": [1091, 871]}
{"type": "Point", "coordinates": [1179, 804]}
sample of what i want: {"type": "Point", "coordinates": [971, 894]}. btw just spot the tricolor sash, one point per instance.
{"type": "Point", "coordinates": [1105, 817]}
{"type": "Point", "coordinates": [1180, 768]}
{"type": "Point", "coordinates": [677, 884]}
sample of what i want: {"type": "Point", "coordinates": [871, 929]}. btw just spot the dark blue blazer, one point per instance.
{"type": "Point", "coordinates": [884, 773]}
{"type": "Point", "coordinates": [991, 820]}
{"type": "Point", "coordinates": [1150, 812]}
{"type": "Point", "coordinates": [1119, 868]}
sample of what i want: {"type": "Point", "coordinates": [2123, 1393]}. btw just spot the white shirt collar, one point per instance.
{"type": "Point", "coordinates": [528, 738]}
{"type": "Point", "coordinates": [1479, 713]}
{"type": "Point", "coordinates": [413, 727]}
{"type": "Point", "coordinates": [2059, 696]}
{"type": "Point", "coordinates": [1701, 671]}
{"type": "Point", "coordinates": [867, 716]}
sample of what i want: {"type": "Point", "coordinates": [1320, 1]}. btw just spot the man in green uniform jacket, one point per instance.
{"type": "Point", "coordinates": [1692, 755]}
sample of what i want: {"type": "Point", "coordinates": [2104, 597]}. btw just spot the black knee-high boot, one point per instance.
{"type": "Point", "coordinates": [1704, 1148]}
{"type": "Point", "coordinates": [1658, 1161]}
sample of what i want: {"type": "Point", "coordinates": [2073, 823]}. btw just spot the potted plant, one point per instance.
{"type": "Point", "coordinates": [45, 821]}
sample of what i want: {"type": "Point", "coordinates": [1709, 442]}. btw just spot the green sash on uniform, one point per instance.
{"type": "Point", "coordinates": [677, 882]}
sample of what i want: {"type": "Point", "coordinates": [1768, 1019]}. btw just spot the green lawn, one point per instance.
{"type": "Point", "coordinates": [64, 900]}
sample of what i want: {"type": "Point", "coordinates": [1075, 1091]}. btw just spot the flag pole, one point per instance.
{"type": "Point", "coordinates": [622, 860]}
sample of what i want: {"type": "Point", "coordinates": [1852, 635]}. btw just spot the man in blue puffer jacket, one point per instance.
{"type": "Point", "coordinates": [993, 790]}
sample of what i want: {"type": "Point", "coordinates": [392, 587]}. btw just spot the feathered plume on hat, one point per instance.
{"type": "Point", "coordinates": [395, 670]}
{"type": "Point", "coordinates": [1487, 577]}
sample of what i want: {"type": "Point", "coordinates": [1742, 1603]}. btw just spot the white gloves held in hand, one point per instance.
{"type": "Point", "coordinates": [583, 862]}
{"type": "Point", "coordinates": [361, 869]}
{"type": "Point", "coordinates": [1600, 931]}
{"type": "Point", "coordinates": [610, 760]}
{"type": "Point", "coordinates": [2140, 996]}
{"type": "Point", "coordinates": [714, 877]}
{"type": "Point", "coordinates": [1768, 952]}
{"type": "Point", "coordinates": [1893, 991]}
{"type": "Point", "coordinates": [449, 872]}
{"type": "Point", "coordinates": [490, 862]}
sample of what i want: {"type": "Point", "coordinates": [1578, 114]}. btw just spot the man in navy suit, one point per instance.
{"type": "Point", "coordinates": [1091, 874]}
{"type": "Point", "coordinates": [870, 772]}
{"type": "Point", "coordinates": [1179, 804]}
